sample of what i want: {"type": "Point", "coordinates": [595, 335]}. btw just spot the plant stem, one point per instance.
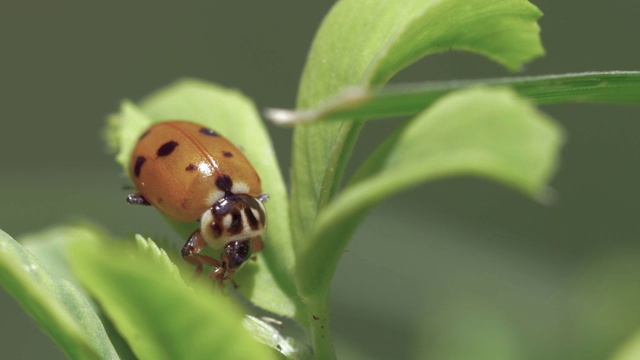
{"type": "Point", "coordinates": [318, 328]}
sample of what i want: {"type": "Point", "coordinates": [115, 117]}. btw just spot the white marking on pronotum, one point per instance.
{"type": "Point", "coordinates": [226, 222]}
{"type": "Point", "coordinates": [256, 214]}
{"type": "Point", "coordinates": [239, 187]}
{"type": "Point", "coordinates": [214, 196]}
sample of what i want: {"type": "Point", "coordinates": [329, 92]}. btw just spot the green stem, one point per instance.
{"type": "Point", "coordinates": [340, 153]}
{"type": "Point", "coordinates": [318, 328]}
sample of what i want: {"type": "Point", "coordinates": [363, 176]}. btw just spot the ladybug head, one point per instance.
{"type": "Point", "coordinates": [231, 219]}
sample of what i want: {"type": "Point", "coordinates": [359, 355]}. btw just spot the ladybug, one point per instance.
{"type": "Point", "coordinates": [189, 172]}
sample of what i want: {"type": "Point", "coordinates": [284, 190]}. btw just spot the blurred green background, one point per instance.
{"type": "Point", "coordinates": [484, 272]}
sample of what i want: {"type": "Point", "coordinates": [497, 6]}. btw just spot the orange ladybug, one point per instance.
{"type": "Point", "coordinates": [190, 172]}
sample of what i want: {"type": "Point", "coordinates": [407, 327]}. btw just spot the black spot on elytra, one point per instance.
{"type": "Point", "coordinates": [253, 222]}
{"type": "Point", "coordinates": [208, 132]}
{"type": "Point", "coordinates": [224, 183]}
{"type": "Point", "coordinates": [167, 148]}
{"type": "Point", "coordinates": [227, 154]}
{"type": "Point", "coordinates": [236, 222]}
{"type": "Point", "coordinates": [191, 167]}
{"type": "Point", "coordinates": [144, 134]}
{"type": "Point", "coordinates": [139, 162]}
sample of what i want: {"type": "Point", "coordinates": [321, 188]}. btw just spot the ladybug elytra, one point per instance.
{"type": "Point", "coordinates": [190, 172]}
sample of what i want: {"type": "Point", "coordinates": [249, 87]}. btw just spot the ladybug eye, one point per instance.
{"type": "Point", "coordinates": [237, 252]}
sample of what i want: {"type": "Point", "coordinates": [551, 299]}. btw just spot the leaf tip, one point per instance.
{"type": "Point", "coordinates": [346, 100]}
{"type": "Point", "coordinates": [157, 253]}
{"type": "Point", "coordinates": [285, 117]}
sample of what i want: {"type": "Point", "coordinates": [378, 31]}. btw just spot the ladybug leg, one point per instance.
{"type": "Point", "coordinates": [137, 199]}
{"type": "Point", "coordinates": [256, 244]}
{"type": "Point", "coordinates": [263, 198]}
{"type": "Point", "coordinates": [220, 274]}
{"type": "Point", "coordinates": [191, 253]}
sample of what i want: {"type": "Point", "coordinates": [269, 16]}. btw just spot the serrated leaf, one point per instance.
{"type": "Point", "coordinates": [155, 311]}
{"type": "Point", "coordinates": [611, 87]}
{"type": "Point", "coordinates": [61, 310]}
{"type": "Point", "coordinates": [234, 116]}
{"type": "Point", "coordinates": [158, 255]}
{"type": "Point", "coordinates": [365, 42]}
{"type": "Point", "coordinates": [490, 133]}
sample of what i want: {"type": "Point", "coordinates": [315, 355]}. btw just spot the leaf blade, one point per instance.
{"type": "Point", "coordinates": [155, 311]}
{"type": "Point", "coordinates": [504, 31]}
{"type": "Point", "coordinates": [61, 310]}
{"type": "Point", "coordinates": [483, 132]}
{"type": "Point", "coordinates": [377, 39]}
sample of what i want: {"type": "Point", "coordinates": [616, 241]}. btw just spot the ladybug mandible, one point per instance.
{"type": "Point", "coordinates": [189, 172]}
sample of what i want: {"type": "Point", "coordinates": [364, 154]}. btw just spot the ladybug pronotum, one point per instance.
{"type": "Point", "coordinates": [190, 172]}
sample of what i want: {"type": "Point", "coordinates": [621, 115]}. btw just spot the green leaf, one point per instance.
{"type": "Point", "coordinates": [155, 311]}
{"type": "Point", "coordinates": [61, 310]}
{"type": "Point", "coordinates": [49, 248]}
{"type": "Point", "coordinates": [612, 87]}
{"type": "Point", "coordinates": [235, 116]}
{"type": "Point", "coordinates": [502, 30]}
{"type": "Point", "coordinates": [630, 350]}
{"type": "Point", "coordinates": [490, 133]}
{"type": "Point", "coordinates": [365, 42]}
{"type": "Point", "coordinates": [123, 130]}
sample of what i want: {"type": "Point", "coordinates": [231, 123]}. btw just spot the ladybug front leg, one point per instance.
{"type": "Point", "coordinates": [256, 244]}
{"type": "Point", "coordinates": [137, 199]}
{"type": "Point", "coordinates": [221, 274]}
{"type": "Point", "coordinates": [191, 253]}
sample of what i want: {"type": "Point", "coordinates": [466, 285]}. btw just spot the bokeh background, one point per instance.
{"type": "Point", "coordinates": [483, 272]}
